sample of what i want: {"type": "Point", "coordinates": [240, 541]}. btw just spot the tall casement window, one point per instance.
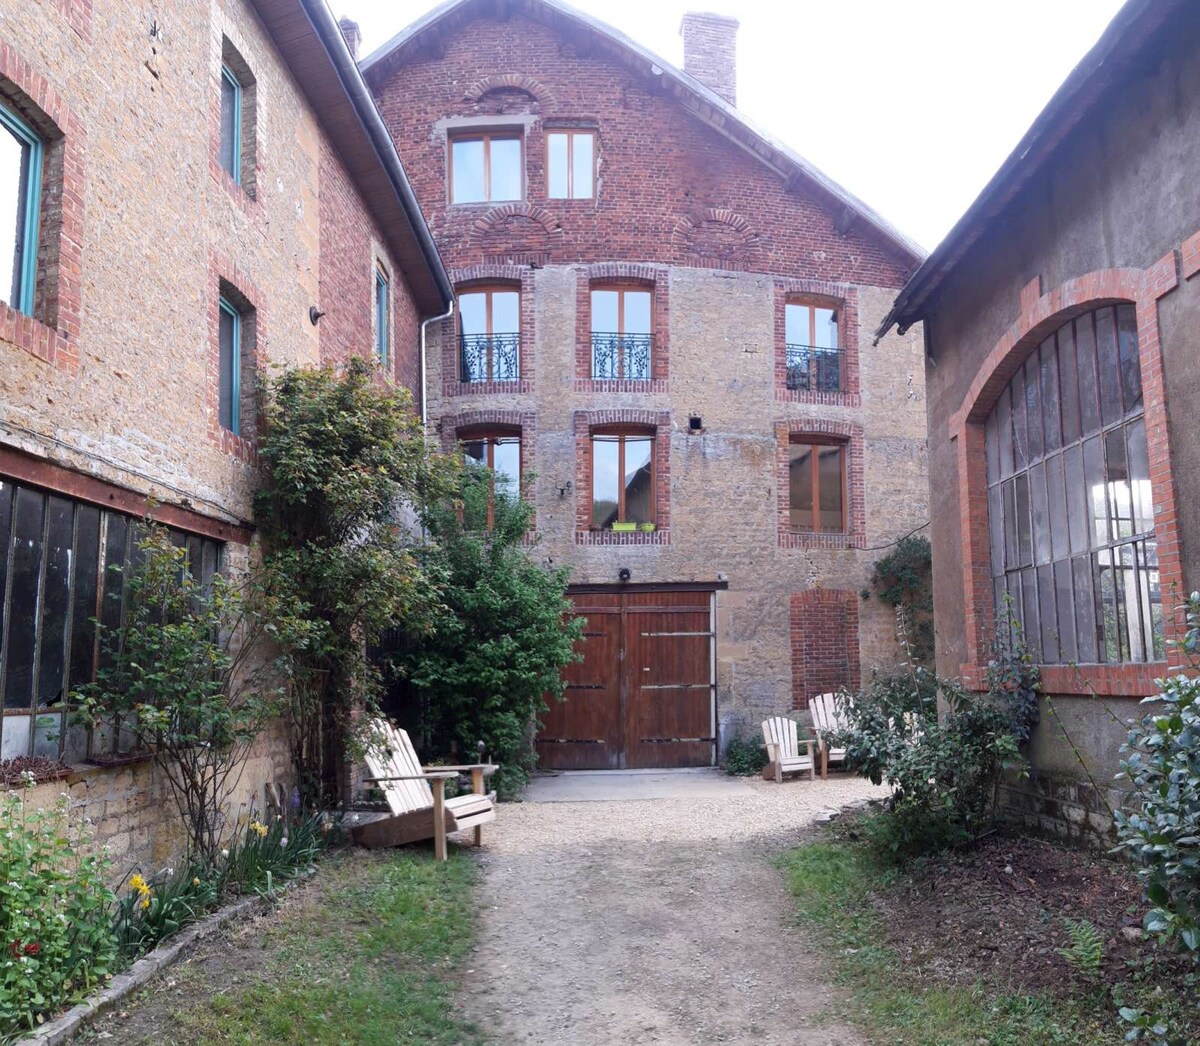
{"type": "Point", "coordinates": [814, 356]}
{"type": "Point", "coordinates": [622, 333]}
{"type": "Point", "coordinates": [622, 478]}
{"type": "Point", "coordinates": [20, 201]}
{"type": "Point", "coordinates": [57, 560]}
{"type": "Point", "coordinates": [490, 334]}
{"type": "Point", "coordinates": [571, 164]}
{"type": "Point", "coordinates": [383, 313]}
{"type": "Point", "coordinates": [231, 124]}
{"type": "Point", "coordinates": [816, 486]}
{"type": "Point", "coordinates": [500, 451]}
{"type": "Point", "coordinates": [1070, 508]}
{"type": "Point", "coordinates": [230, 366]}
{"type": "Point", "coordinates": [487, 168]}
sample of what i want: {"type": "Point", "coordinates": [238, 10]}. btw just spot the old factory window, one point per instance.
{"type": "Point", "coordinates": [57, 574]}
{"type": "Point", "coordinates": [20, 202]}
{"type": "Point", "coordinates": [498, 449]}
{"type": "Point", "coordinates": [487, 168]}
{"type": "Point", "coordinates": [816, 486]}
{"type": "Point", "coordinates": [622, 478]}
{"type": "Point", "coordinates": [383, 312]}
{"type": "Point", "coordinates": [622, 339]}
{"type": "Point", "coordinates": [490, 333]}
{"type": "Point", "coordinates": [814, 358]}
{"type": "Point", "coordinates": [1070, 508]}
{"type": "Point", "coordinates": [571, 164]}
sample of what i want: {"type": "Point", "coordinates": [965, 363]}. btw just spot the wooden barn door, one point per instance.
{"type": "Point", "coordinates": [643, 694]}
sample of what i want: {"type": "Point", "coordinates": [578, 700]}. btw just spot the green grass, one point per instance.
{"type": "Point", "coordinates": [833, 882]}
{"type": "Point", "coordinates": [370, 963]}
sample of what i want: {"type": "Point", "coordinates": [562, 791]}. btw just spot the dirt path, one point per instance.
{"type": "Point", "coordinates": [658, 921]}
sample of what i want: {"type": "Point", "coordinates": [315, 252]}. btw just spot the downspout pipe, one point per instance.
{"type": "Point", "coordinates": [425, 365]}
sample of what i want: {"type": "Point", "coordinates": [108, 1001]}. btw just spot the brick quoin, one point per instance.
{"type": "Point", "coordinates": [824, 642]}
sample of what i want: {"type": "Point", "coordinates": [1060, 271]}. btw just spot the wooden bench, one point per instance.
{"type": "Point", "coordinates": [416, 796]}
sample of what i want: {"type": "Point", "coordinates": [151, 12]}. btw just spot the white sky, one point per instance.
{"type": "Point", "coordinates": [910, 104]}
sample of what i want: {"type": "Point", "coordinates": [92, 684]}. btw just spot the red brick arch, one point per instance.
{"type": "Point", "coordinates": [508, 82]}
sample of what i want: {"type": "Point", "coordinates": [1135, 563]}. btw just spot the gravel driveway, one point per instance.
{"type": "Point", "coordinates": [652, 921]}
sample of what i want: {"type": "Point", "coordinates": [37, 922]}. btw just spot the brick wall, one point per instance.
{"type": "Point", "coordinates": [824, 643]}
{"type": "Point", "coordinates": [710, 52]}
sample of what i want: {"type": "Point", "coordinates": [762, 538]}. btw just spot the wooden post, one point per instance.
{"type": "Point", "coordinates": [439, 817]}
{"type": "Point", "coordinates": [477, 788]}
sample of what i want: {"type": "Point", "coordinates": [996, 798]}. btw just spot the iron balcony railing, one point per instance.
{"type": "Point", "coordinates": [490, 357]}
{"type": "Point", "coordinates": [621, 356]}
{"type": "Point", "coordinates": [814, 368]}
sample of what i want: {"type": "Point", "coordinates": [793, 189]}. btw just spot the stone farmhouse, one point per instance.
{"type": "Point", "coordinates": [187, 198]}
{"type": "Point", "coordinates": [1060, 320]}
{"type": "Point", "coordinates": [664, 335]}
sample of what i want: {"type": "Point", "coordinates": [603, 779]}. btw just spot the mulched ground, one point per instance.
{"type": "Point", "coordinates": [996, 911]}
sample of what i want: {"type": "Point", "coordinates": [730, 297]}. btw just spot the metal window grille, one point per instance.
{"type": "Point", "coordinates": [813, 368]}
{"type": "Point", "coordinates": [490, 357]}
{"type": "Point", "coordinates": [621, 356]}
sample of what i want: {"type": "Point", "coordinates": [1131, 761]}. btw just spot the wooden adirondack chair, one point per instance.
{"type": "Point", "coordinates": [783, 748]}
{"type": "Point", "coordinates": [419, 811]}
{"type": "Point", "coordinates": [827, 720]}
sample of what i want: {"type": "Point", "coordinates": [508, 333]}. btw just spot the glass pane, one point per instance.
{"type": "Point", "coordinates": [472, 313]}
{"type": "Point", "coordinates": [637, 312]}
{"type": "Point", "coordinates": [556, 160]}
{"type": "Point", "coordinates": [1109, 364]}
{"type": "Point", "coordinates": [1077, 498]}
{"type": "Point", "coordinates": [6, 499]}
{"type": "Point", "coordinates": [506, 312]}
{"type": "Point", "coordinates": [1085, 611]}
{"type": "Point", "coordinates": [1139, 477]}
{"type": "Point", "coordinates": [1041, 516]}
{"type": "Point", "coordinates": [1004, 432]}
{"type": "Point", "coordinates": [1024, 533]}
{"type": "Point", "coordinates": [1131, 368]}
{"type": "Point", "coordinates": [1064, 598]}
{"type": "Point", "coordinates": [1051, 420]}
{"type": "Point", "coordinates": [230, 118]}
{"type": "Point", "coordinates": [228, 333]}
{"type": "Point", "coordinates": [466, 159]}
{"type": "Point", "coordinates": [1149, 561]}
{"type": "Point", "coordinates": [1120, 499]}
{"type": "Point", "coordinates": [1056, 498]}
{"type": "Point", "coordinates": [1068, 383]}
{"type": "Point", "coordinates": [1033, 404]}
{"type": "Point", "coordinates": [583, 166]}
{"type": "Point", "coordinates": [84, 605]}
{"type": "Point", "coordinates": [605, 480]}
{"type": "Point", "coordinates": [604, 312]}
{"type": "Point", "coordinates": [56, 601]}
{"type": "Point", "coordinates": [26, 567]}
{"type": "Point", "coordinates": [991, 442]}
{"type": "Point", "coordinates": [475, 452]}
{"type": "Point", "coordinates": [1020, 428]}
{"type": "Point", "coordinates": [1085, 356]}
{"type": "Point", "coordinates": [1027, 609]}
{"type": "Point", "coordinates": [506, 169]}
{"type": "Point", "coordinates": [829, 486]}
{"type": "Point", "coordinates": [14, 174]}
{"type": "Point", "coordinates": [381, 318]}
{"type": "Point", "coordinates": [1137, 603]}
{"type": "Point", "coordinates": [797, 320]}
{"type": "Point", "coordinates": [1009, 504]}
{"type": "Point", "coordinates": [1106, 598]}
{"type": "Point", "coordinates": [1048, 613]}
{"type": "Point", "coordinates": [1093, 478]}
{"type": "Point", "coordinates": [639, 497]}
{"type": "Point", "coordinates": [800, 488]}
{"type": "Point", "coordinates": [506, 462]}
{"type": "Point", "coordinates": [996, 528]}
{"type": "Point", "coordinates": [826, 328]}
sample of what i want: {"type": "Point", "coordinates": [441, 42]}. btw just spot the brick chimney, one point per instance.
{"type": "Point", "coordinates": [710, 52]}
{"type": "Point", "coordinates": [351, 34]}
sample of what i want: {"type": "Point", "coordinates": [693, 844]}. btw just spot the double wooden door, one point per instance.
{"type": "Point", "coordinates": [643, 695]}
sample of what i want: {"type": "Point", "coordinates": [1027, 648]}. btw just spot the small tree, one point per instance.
{"type": "Point", "coordinates": [904, 580]}
{"type": "Point", "coordinates": [502, 636]}
{"type": "Point", "coordinates": [190, 673]}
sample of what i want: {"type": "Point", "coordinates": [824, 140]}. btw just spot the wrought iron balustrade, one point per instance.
{"type": "Point", "coordinates": [814, 368]}
{"type": "Point", "coordinates": [490, 357]}
{"type": "Point", "coordinates": [621, 356]}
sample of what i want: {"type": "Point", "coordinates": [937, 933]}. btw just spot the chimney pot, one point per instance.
{"type": "Point", "coordinates": [710, 52]}
{"type": "Point", "coordinates": [351, 34]}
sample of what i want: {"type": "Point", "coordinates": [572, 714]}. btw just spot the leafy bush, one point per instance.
{"type": "Point", "coordinates": [904, 580]}
{"type": "Point", "coordinates": [55, 928]}
{"type": "Point", "coordinates": [745, 757]}
{"type": "Point", "coordinates": [1161, 831]}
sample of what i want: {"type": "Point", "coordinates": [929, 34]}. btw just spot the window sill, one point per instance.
{"type": "Point", "coordinates": [805, 539]}
{"type": "Point", "coordinates": [241, 447]}
{"type": "Point", "coordinates": [485, 388]}
{"type": "Point", "coordinates": [631, 537]}
{"type": "Point", "coordinates": [37, 339]}
{"type": "Point", "coordinates": [614, 385]}
{"type": "Point", "coordinates": [236, 190]}
{"type": "Point", "coordinates": [1129, 680]}
{"type": "Point", "coordinates": [830, 399]}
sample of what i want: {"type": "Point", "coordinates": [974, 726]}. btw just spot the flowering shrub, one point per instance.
{"type": "Point", "coordinates": [55, 921]}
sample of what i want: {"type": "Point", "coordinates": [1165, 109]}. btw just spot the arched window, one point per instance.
{"type": "Point", "coordinates": [499, 449]}
{"type": "Point", "coordinates": [623, 478]}
{"type": "Point", "coordinates": [489, 323]}
{"type": "Point", "coordinates": [1070, 512]}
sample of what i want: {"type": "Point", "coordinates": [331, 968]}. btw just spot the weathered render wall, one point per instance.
{"type": "Point", "coordinates": [1120, 194]}
{"type": "Point", "coordinates": [723, 239]}
{"type": "Point", "coordinates": [116, 377]}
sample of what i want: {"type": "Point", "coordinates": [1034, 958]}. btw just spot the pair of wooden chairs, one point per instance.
{"type": "Point", "coordinates": [783, 740]}
{"type": "Point", "coordinates": [416, 795]}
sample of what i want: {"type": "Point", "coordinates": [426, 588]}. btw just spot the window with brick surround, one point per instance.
{"type": "Point", "coordinates": [816, 486]}
{"type": "Point", "coordinates": [1070, 509]}
{"type": "Point", "coordinates": [497, 448]}
{"type": "Point", "coordinates": [622, 332]}
{"type": "Point", "coordinates": [383, 313]}
{"type": "Point", "coordinates": [20, 207]}
{"type": "Point", "coordinates": [238, 121]}
{"type": "Point", "coordinates": [236, 376]}
{"type": "Point", "coordinates": [487, 167]}
{"type": "Point", "coordinates": [570, 164]}
{"type": "Point", "coordinates": [489, 322]}
{"type": "Point", "coordinates": [623, 492]}
{"type": "Point", "coordinates": [813, 346]}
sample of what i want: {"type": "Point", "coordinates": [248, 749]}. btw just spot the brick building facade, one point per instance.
{"type": "Point", "coordinates": [1060, 318]}
{"type": "Point", "coordinates": [184, 188]}
{"type": "Point", "coordinates": [664, 323]}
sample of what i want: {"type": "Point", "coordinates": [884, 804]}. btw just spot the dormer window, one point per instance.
{"type": "Point", "coordinates": [487, 168]}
